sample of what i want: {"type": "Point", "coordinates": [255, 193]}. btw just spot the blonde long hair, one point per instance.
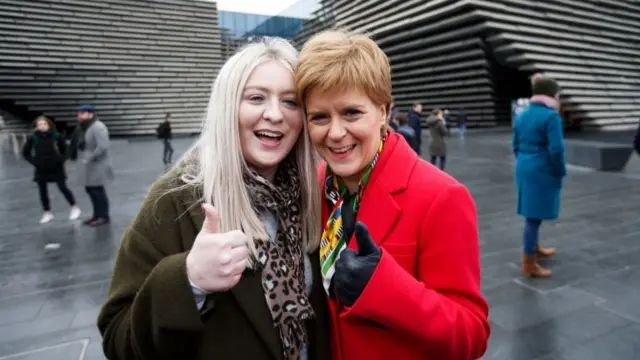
{"type": "Point", "coordinates": [215, 164]}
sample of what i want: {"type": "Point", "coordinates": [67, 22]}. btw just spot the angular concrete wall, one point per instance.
{"type": "Point", "coordinates": [134, 60]}
{"type": "Point", "coordinates": [477, 54]}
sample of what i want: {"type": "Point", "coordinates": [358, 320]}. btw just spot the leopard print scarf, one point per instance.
{"type": "Point", "coordinates": [282, 260]}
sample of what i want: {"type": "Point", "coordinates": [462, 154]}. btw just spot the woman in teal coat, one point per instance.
{"type": "Point", "coordinates": [538, 145]}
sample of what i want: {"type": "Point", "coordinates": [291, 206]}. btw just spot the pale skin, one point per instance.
{"type": "Point", "coordinates": [345, 119]}
{"type": "Point", "coordinates": [42, 125]}
{"type": "Point", "coordinates": [269, 105]}
{"type": "Point", "coordinates": [217, 260]}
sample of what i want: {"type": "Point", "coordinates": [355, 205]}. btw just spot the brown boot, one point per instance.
{"type": "Point", "coordinates": [545, 252]}
{"type": "Point", "coordinates": [531, 268]}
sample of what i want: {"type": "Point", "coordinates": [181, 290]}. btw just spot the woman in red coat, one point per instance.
{"type": "Point", "coordinates": [406, 283]}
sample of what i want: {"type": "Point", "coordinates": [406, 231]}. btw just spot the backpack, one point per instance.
{"type": "Point", "coordinates": [159, 131]}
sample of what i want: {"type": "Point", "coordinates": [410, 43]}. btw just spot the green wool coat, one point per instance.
{"type": "Point", "coordinates": [151, 314]}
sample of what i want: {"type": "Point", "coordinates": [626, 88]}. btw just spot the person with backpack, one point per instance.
{"type": "Point", "coordinates": [164, 133]}
{"type": "Point", "coordinates": [45, 149]}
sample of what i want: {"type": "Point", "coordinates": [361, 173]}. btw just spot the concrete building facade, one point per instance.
{"type": "Point", "coordinates": [133, 60]}
{"type": "Point", "coordinates": [478, 55]}
{"type": "Point", "coordinates": [137, 60]}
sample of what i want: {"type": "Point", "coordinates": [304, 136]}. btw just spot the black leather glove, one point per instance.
{"type": "Point", "coordinates": [353, 270]}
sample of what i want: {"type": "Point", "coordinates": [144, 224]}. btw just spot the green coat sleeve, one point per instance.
{"type": "Point", "coordinates": [150, 312]}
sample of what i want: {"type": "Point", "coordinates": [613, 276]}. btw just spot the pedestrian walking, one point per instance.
{"type": "Point", "coordinates": [90, 146]}
{"type": "Point", "coordinates": [164, 134]}
{"type": "Point", "coordinates": [438, 145]}
{"type": "Point", "coordinates": [45, 149]}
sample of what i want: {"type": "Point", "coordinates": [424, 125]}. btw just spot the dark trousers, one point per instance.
{"type": "Point", "coordinates": [443, 160]}
{"type": "Point", "coordinates": [531, 231]}
{"type": "Point", "coordinates": [99, 201]}
{"type": "Point", "coordinates": [44, 194]}
{"type": "Point", "coordinates": [168, 151]}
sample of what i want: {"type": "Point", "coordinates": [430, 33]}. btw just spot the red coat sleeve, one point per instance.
{"type": "Point", "coordinates": [443, 308]}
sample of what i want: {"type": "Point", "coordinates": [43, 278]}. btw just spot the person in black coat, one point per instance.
{"type": "Point", "coordinates": [414, 116]}
{"type": "Point", "coordinates": [407, 132]}
{"type": "Point", "coordinates": [45, 150]}
{"type": "Point", "coordinates": [164, 133]}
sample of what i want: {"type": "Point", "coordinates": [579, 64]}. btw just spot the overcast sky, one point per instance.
{"type": "Point", "coordinates": [265, 7]}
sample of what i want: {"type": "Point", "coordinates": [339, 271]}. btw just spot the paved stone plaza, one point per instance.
{"type": "Point", "coordinates": [50, 296]}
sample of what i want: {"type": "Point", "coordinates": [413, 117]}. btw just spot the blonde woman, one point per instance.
{"type": "Point", "coordinates": [216, 264]}
{"type": "Point", "coordinates": [399, 253]}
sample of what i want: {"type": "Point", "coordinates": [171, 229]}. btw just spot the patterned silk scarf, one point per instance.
{"type": "Point", "coordinates": [282, 260]}
{"type": "Point", "coordinates": [333, 237]}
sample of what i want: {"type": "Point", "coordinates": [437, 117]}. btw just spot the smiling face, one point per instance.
{"type": "Point", "coordinates": [345, 127]}
{"type": "Point", "coordinates": [270, 120]}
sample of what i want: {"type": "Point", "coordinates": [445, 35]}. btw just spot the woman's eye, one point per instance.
{"type": "Point", "coordinates": [291, 103]}
{"type": "Point", "coordinates": [256, 98]}
{"type": "Point", "coordinates": [352, 112]}
{"type": "Point", "coordinates": [317, 117]}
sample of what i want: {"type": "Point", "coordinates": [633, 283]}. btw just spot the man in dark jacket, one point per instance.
{"type": "Point", "coordinates": [164, 133]}
{"type": "Point", "coordinates": [407, 132]}
{"type": "Point", "coordinates": [414, 122]}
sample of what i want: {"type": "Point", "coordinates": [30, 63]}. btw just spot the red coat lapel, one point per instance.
{"type": "Point", "coordinates": [378, 209]}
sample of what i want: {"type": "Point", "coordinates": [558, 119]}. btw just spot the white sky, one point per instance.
{"type": "Point", "coordinates": [264, 7]}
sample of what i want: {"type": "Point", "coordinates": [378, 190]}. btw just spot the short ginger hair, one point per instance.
{"type": "Point", "coordinates": [336, 59]}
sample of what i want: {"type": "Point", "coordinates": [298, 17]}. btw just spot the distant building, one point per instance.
{"type": "Point", "coordinates": [239, 28]}
{"type": "Point", "coordinates": [133, 60]}
{"type": "Point", "coordinates": [137, 60]}
{"type": "Point", "coordinates": [478, 55]}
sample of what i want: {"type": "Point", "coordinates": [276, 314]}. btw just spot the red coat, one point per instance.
{"type": "Point", "coordinates": [423, 300]}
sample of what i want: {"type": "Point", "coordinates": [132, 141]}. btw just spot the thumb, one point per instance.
{"type": "Point", "coordinates": [365, 243]}
{"type": "Point", "coordinates": [211, 222]}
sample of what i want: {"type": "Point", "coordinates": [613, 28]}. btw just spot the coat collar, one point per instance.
{"type": "Point", "coordinates": [379, 209]}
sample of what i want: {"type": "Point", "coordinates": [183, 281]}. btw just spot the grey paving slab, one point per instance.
{"type": "Point", "coordinates": [49, 298]}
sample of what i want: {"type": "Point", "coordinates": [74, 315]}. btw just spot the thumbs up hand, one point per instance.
{"type": "Point", "coordinates": [353, 270]}
{"type": "Point", "coordinates": [217, 260]}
